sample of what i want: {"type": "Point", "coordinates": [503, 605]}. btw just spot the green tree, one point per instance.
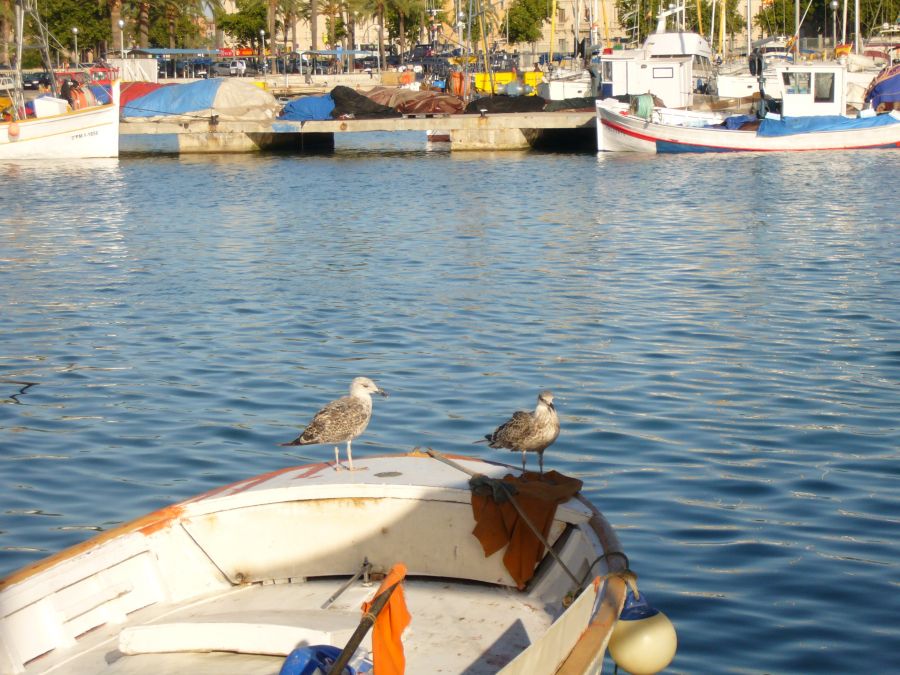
{"type": "Point", "coordinates": [244, 25]}
{"type": "Point", "coordinates": [526, 20]}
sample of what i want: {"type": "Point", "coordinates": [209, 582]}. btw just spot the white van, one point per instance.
{"type": "Point", "coordinates": [238, 67]}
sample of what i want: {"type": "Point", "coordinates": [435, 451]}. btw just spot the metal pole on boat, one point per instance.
{"type": "Point", "coordinates": [364, 569]}
{"type": "Point", "coordinates": [856, 36]}
{"type": "Point", "coordinates": [844, 25]}
{"type": "Point", "coordinates": [75, 33]}
{"type": "Point", "coordinates": [749, 30]}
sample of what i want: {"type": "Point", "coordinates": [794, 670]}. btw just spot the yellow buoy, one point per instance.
{"type": "Point", "coordinates": [643, 641]}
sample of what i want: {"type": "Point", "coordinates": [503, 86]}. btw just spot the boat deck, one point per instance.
{"type": "Point", "coordinates": [451, 621]}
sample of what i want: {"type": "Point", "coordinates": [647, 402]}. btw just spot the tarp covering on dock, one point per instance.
{"type": "Point", "coordinates": [411, 102]}
{"type": "Point", "coordinates": [308, 108]}
{"type": "Point", "coordinates": [350, 103]}
{"type": "Point", "coordinates": [230, 100]}
{"type": "Point", "coordinates": [506, 104]}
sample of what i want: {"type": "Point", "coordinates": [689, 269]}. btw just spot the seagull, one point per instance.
{"type": "Point", "coordinates": [342, 420]}
{"type": "Point", "coordinates": [529, 431]}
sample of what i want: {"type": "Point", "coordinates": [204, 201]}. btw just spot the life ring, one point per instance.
{"type": "Point", "coordinates": [13, 130]}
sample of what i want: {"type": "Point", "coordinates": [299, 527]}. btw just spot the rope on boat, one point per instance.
{"type": "Point", "coordinates": [479, 479]}
{"type": "Point", "coordinates": [642, 106]}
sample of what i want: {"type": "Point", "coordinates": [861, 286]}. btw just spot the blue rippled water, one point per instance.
{"type": "Point", "coordinates": [722, 335]}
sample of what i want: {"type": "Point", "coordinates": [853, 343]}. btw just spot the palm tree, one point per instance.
{"type": "Point", "coordinates": [290, 11]}
{"type": "Point", "coordinates": [115, 13]}
{"type": "Point", "coordinates": [6, 16]}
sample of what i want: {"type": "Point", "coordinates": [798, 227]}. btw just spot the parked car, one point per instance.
{"type": "Point", "coordinates": [238, 67]}
{"type": "Point", "coordinates": [220, 69]}
{"type": "Point", "coordinates": [35, 80]}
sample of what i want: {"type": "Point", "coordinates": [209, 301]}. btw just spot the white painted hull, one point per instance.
{"type": "Point", "coordinates": [80, 134]}
{"type": "Point", "coordinates": [243, 572]}
{"type": "Point", "coordinates": [624, 132]}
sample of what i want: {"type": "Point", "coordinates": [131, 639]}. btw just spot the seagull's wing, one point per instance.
{"type": "Point", "coordinates": [507, 434]}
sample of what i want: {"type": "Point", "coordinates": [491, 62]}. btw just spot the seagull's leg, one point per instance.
{"type": "Point", "coordinates": [349, 456]}
{"type": "Point", "coordinates": [541, 460]}
{"type": "Point", "coordinates": [523, 462]}
{"type": "Point", "coordinates": [337, 459]}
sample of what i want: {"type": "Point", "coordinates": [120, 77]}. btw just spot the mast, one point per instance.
{"type": "Point", "coordinates": [856, 36]}
{"type": "Point", "coordinates": [749, 29]}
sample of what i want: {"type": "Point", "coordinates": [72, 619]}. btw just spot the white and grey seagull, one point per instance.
{"type": "Point", "coordinates": [529, 431]}
{"type": "Point", "coordinates": [342, 420]}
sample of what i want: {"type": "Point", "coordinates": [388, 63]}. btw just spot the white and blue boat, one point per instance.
{"type": "Point", "coordinates": [810, 116]}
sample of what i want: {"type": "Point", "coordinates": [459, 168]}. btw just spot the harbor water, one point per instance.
{"type": "Point", "coordinates": [721, 334]}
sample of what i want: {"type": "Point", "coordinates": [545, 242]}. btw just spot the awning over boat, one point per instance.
{"type": "Point", "coordinates": [789, 126]}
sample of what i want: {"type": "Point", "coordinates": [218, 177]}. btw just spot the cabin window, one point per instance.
{"type": "Point", "coordinates": [824, 91]}
{"type": "Point", "coordinates": [663, 73]}
{"type": "Point", "coordinates": [795, 83]}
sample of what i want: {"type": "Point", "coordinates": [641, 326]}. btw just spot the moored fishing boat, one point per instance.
{"type": "Point", "coordinates": [811, 117]}
{"type": "Point", "coordinates": [238, 579]}
{"type": "Point", "coordinates": [54, 128]}
{"type": "Point", "coordinates": [58, 132]}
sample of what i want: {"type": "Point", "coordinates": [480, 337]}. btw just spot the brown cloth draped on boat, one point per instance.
{"type": "Point", "coordinates": [499, 524]}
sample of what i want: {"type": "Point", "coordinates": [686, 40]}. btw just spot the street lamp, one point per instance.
{"type": "Point", "coordinates": [834, 8]}
{"type": "Point", "coordinates": [122, 38]}
{"type": "Point", "coordinates": [378, 28]}
{"type": "Point", "coordinates": [75, 33]}
{"type": "Point", "coordinates": [262, 47]}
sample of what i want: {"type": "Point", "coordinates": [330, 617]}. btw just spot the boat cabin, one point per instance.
{"type": "Point", "coordinates": [669, 79]}
{"type": "Point", "coordinates": [812, 89]}
{"type": "Point", "coordinates": [671, 65]}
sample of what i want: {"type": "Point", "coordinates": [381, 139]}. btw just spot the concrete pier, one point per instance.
{"type": "Point", "coordinates": [500, 131]}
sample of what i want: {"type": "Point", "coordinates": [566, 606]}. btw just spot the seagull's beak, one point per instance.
{"type": "Point", "coordinates": [382, 392]}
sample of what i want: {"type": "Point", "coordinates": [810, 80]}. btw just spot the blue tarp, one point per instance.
{"type": "Point", "coordinates": [885, 88]}
{"type": "Point", "coordinates": [804, 125]}
{"type": "Point", "coordinates": [177, 100]}
{"type": "Point", "coordinates": [308, 108]}
{"type": "Point", "coordinates": [735, 121]}
{"type": "Point", "coordinates": [101, 93]}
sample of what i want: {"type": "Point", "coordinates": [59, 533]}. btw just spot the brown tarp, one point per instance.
{"type": "Point", "coordinates": [499, 524]}
{"type": "Point", "coordinates": [411, 102]}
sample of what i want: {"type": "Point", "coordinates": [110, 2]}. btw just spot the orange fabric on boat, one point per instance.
{"type": "Point", "coordinates": [387, 648]}
{"type": "Point", "coordinates": [499, 524]}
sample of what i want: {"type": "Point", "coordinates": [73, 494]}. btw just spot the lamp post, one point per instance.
{"type": "Point", "coordinates": [75, 33]}
{"type": "Point", "coordinates": [834, 9]}
{"type": "Point", "coordinates": [122, 38]}
{"type": "Point", "coordinates": [378, 52]}
{"type": "Point", "coordinates": [262, 49]}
